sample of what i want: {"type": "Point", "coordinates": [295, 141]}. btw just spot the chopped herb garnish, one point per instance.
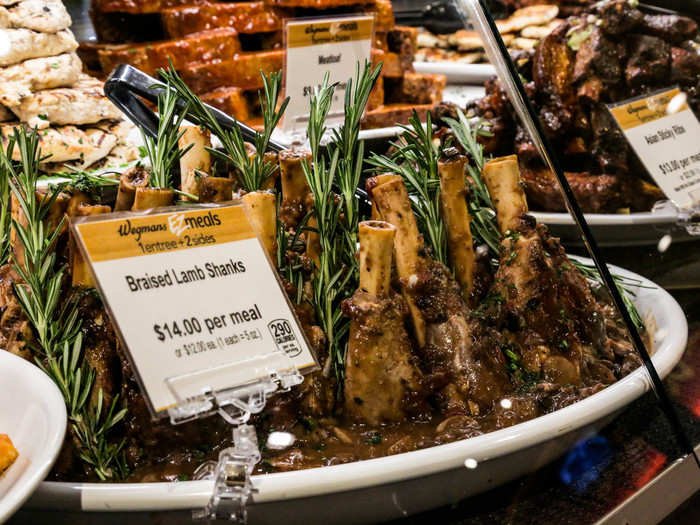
{"type": "Point", "coordinates": [374, 439]}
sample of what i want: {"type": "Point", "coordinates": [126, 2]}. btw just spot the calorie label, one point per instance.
{"type": "Point", "coordinates": [191, 291]}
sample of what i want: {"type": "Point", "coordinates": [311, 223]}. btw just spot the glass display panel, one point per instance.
{"type": "Point", "coordinates": [475, 365]}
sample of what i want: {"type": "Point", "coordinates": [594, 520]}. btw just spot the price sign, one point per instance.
{"type": "Point", "coordinates": [191, 290]}
{"type": "Point", "coordinates": [317, 46]}
{"type": "Point", "coordinates": [663, 132]}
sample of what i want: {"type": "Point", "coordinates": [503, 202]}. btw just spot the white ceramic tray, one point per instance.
{"type": "Point", "coordinates": [394, 486]}
{"type": "Point", "coordinates": [457, 73]}
{"type": "Point", "coordinates": [614, 229]}
{"type": "Point", "coordinates": [33, 414]}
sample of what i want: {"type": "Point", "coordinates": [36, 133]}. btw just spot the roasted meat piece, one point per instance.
{"type": "Point", "coordinates": [392, 114]}
{"type": "Point", "coordinates": [463, 359]}
{"type": "Point", "coordinates": [462, 368]}
{"type": "Point", "coordinates": [649, 61]}
{"type": "Point", "coordinates": [601, 57]}
{"type": "Point", "coordinates": [545, 303]}
{"type": "Point", "coordinates": [416, 88]}
{"type": "Point", "coordinates": [242, 70]}
{"type": "Point", "coordinates": [594, 193]}
{"type": "Point", "coordinates": [553, 66]}
{"type": "Point", "coordinates": [672, 28]}
{"type": "Point", "coordinates": [382, 381]}
{"type": "Point", "coordinates": [618, 17]}
{"type": "Point", "coordinates": [685, 66]}
{"type": "Point", "coordinates": [609, 146]}
{"type": "Point", "coordinates": [206, 46]}
{"type": "Point", "coordinates": [244, 17]}
{"type": "Point", "coordinates": [140, 6]}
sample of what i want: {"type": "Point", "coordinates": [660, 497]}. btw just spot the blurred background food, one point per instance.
{"type": "Point", "coordinates": [42, 85]}
{"type": "Point", "coordinates": [8, 453]}
{"type": "Point", "coordinates": [221, 48]}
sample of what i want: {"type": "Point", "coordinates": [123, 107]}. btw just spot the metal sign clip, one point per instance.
{"type": "Point", "coordinates": [233, 486]}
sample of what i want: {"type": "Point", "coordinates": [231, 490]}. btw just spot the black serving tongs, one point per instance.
{"type": "Point", "coordinates": [127, 85]}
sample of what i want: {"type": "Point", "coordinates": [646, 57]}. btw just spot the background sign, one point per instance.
{"type": "Point", "coordinates": [314, 47]}
{"type": "Point", "coordinates": [663, 132]}
{"type": "Point", "coordinates": [189, 291]}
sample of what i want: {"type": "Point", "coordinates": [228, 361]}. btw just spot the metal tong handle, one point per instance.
{"type": "Point", "coordinates": [126, 82]}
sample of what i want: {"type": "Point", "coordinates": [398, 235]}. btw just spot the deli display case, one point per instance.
{"type": "Point", "coordinates": [435, 292]}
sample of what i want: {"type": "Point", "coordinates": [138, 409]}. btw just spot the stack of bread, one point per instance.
{"type": "Point", "coordinates": [42, 86]}
{"type": "Point", "coordinates": [520, 32]}
{"type": "Point", "coordinates": [220, 49]}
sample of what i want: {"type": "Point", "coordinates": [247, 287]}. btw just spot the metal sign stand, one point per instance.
{"type": "Point", "coordinates": [232, 472]}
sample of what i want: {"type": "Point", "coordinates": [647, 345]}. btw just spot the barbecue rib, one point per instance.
{"type": "Point", "coordinates": [583, 65]}
{"type": "Point", "coordinates": [206, 46]}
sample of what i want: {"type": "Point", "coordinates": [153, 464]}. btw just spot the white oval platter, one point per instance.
{"type": "Point", "coordinates": [405, 483]}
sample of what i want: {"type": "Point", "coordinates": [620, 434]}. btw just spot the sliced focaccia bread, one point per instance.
{"type": "Point", "coordinates": [65, 143]}
{"type": "Point", "coordinates": [35, 74]}
{"type": "Point", "coordinates": [17, 45]}
{"type": "Point", "coordinates": [84, 103]}
{"type": "Point", "coordinates": [45, 16]}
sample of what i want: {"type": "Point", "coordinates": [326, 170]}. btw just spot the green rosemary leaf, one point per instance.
{"type": "Point", "coordinates": [91, 184]}
{"type": "Point", "coordinates": [253, 169]}
{"type": "Point", "coordinates": [163, 151]}
{"type": "Point", "coordinates": [5, 216]}
{"type": "Point", "coordinates": [336, 215]}
{"type": "Point", "coordinates": [416, 160]}
{"type": "Point", "coordinates": [624, 286]}
{"type": "Point", "coordinates": [55, 321]}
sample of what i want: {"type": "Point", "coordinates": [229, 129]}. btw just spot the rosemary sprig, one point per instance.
{"type": "Point", "coordinates": [58, 345]}
{"type": "Point", "coordinates": [624, 286]}
{"type": "Point", "coordinates": [352, 152]}
{"type": "Point", "coordinates": [4, 216]}
{"type": "Point", "coordinates": [254, 170]}
{"type": "Point", "coordinates": [163, 151]}
{"type": "Point", "coordinates": [289, 249]}
{"type": "Point", "coordinates": [331, 280]}
{"type": "Point", "coordinates": [337, 216]}
{"type": "Point", "coordinates": [416, 160]}
{"type": "Point", "coordinates": [484, 224]}
{"type": "Point", "coordinates": [90, 423]}
{"type": "Point", "coordinates": [91, 184]}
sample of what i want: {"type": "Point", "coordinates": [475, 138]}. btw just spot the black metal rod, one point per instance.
{"type": "Point", "coordinates": [591, 244]}
{"type": "Point", "coordinates": [126, 83]}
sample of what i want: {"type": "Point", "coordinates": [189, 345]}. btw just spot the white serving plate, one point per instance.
{"type": "Point", "coordinates": [33, 414]}
{"type": "Point", "coordinates": [615, 229]}
{"type": "Point", "coordinates": [394, 486]}
{"type": "Point", "coordinates": [457, 73]}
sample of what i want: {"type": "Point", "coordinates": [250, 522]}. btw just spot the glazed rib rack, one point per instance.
{"type": "Point", "coordinates": [220, 49]}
